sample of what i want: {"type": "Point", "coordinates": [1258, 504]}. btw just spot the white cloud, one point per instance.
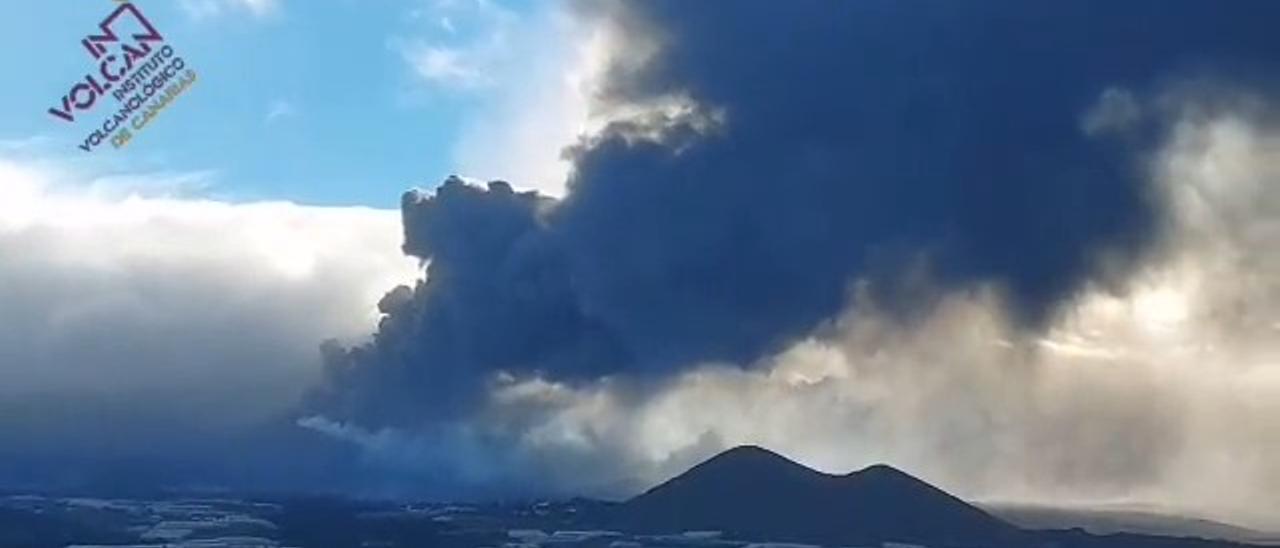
{"type": "Point", "coordinates": [281, 109]}
{"type": "Point", "coordinates": [24, 144]}
{"type": "Point", "coordinates": [467, 46]}
{"type": "Point", "coordinates": [447, 67]}
{"type": "Point", "coordinates": [203, 9]}
{"type": "Point", "coordinates": [172, 306]}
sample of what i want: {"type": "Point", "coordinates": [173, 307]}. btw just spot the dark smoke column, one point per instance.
{"type": "Point", "coordinates": [850, 141]}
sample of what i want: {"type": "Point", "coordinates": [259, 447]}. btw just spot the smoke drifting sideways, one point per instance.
{"type": "Point", "coordinates": [769, 176]}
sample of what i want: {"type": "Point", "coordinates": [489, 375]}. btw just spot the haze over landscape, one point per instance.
{"type": "Point", "coordinates": [986, 268]}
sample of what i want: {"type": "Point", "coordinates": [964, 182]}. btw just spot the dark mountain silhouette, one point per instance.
{"type": "Point", "coordinates": [750, 492]}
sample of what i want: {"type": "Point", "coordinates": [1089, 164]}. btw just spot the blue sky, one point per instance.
{"type": "Point", "coordinates": [329, 102]}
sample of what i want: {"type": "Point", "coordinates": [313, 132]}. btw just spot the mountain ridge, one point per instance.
{"type": "Point", "coordinates": [754, 492]}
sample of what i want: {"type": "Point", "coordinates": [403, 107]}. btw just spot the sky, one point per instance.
{"type": "Point", "coordinates": [1025, 252]}
{"type": "Point", "coordinates": [376, 96]}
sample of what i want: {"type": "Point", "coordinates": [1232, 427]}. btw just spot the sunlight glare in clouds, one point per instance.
{"type": "Point", "coordinates": [546, 100]}
{"type": "Point", "coordinates": [1161, 309]}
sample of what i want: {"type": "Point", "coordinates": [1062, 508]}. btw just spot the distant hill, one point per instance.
{"type": "Point", "coordinates": [1117, 519]}
{"type": "Point", "coordinates": [753, 493]}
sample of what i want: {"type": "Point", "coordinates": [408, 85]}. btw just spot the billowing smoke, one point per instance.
{"type": "Point", "coordinates": [1164, 391]}
{"type": "Point", "coordinates": [938, 234]}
